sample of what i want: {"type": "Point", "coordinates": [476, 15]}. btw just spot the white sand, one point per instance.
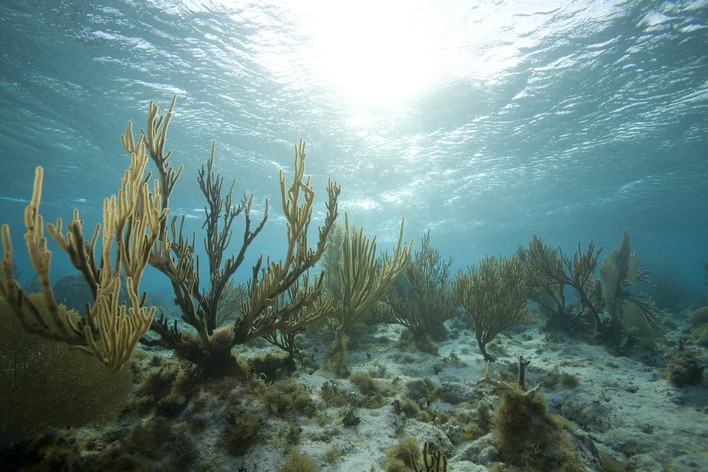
{"type": "Point", "coordinates": [627, 408]}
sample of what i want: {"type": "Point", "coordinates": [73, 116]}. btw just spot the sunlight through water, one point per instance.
{"type": "Point", "coordinates": [490, 121]}
{"type": "Point", "coordinates": [372, 52]}
{"type": "Point", "coordinates": [380, 53]}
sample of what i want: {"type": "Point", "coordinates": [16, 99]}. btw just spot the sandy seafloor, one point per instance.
{"type": "Point", "coordinates": [623, 406]}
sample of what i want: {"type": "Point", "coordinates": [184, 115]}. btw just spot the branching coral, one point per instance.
{"type": "Point", "coordinates": [421, 298]}
{"type": "Point", "coordinates": [131, 226]}
{"type": "Point", "coordinates": [330, 264]}
{"type": "Point", "coordinates": [136, 231]}
{"type": "Point", "coordinates": [267, 309]}
{"type": "Point", "coordinates": [494, 295]}
{"type": "Point", "coordinates": [619, 271]}
{"type": "Point", "coordinates": [301, 315]}
{"type": "Point", "coordinates": [602, 304]}
{"type": "Point", "coordinates": [550, 272]}
{"type": "Point", "coordinates": [234, 294]}
{"type": "Point", "coordinates": [364, 280]}
{"type": "Point", "coordinates": [433, 460]}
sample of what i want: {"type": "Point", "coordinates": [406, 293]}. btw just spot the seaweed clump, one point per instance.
{"type": "Point", "coordinates": [406, 456]}
{"type": "Point", "coordinates": [285, 396]}
{"type": "Point", "coordinates": [403, 456]}
{"type": "Point", "coordinates": [298, 462]}
{"type": "Point", "coordinates": [684, 369]}
{"type": "Point", "coordinates": [144, 449]}
{"type": "Point", "coordinates": [526, 434]}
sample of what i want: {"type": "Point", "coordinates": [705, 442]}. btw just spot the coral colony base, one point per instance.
{"type": "Point", "coordinates": [336, 357]}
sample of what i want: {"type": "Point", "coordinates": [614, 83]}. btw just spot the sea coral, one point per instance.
{"type": "Point", "coordinates": [551, 272]}
{"type": "Point", "coordinates": [135, 232]}
{"type": "Point", "coordinates": [433, 460]}
{"type": "Point", "coordinates": [684, 368]}
{"type": "Point", "coordinates": [45, 383]}
{"type": "Point", "coordinates": [130, 229]}
{"type": "Point", "coordinates": [271, 305]}
{"type": "Point", "coordinates": [605, 307]}
{"type": "Point", "coordinates": [330, 262]}
{"type": "Point", "coordinates": [699, 316]}
{"type": "Point", "coordinates": [364, 280]}
{"type": "Point", "coordinates": [619, 270]}
{"type": "Point", "coordinates": [421, 298]}
{"type": "Point", "coordinates": [406, 456]}
{"type": "Point", "coordinates": [231, 299]}
{"type": "Point", "coordinates": [495, 297]}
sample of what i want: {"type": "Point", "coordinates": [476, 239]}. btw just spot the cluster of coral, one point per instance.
{"type": "Point", "coordinates": [122, 364]}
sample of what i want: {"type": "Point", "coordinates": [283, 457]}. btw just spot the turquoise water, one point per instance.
{"type": "Point", "coordinates": [484, 122]}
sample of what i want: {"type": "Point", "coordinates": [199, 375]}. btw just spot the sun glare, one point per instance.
{"type": "Point", "coordinates": [373, 52]}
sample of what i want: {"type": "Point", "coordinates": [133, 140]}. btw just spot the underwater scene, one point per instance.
{"type": "Point", "coordinates": [357, 236]}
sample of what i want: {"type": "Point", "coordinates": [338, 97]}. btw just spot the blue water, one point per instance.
{"type": "Point", "coordinates": [485, 122]}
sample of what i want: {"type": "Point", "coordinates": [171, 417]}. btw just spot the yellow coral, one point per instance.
{"type": "Point", "coordinates": [495, 297]}
{"type": "Point", "coordinates": [131, 227]}
{"type": "Point", "coordinates": [363, 283]}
